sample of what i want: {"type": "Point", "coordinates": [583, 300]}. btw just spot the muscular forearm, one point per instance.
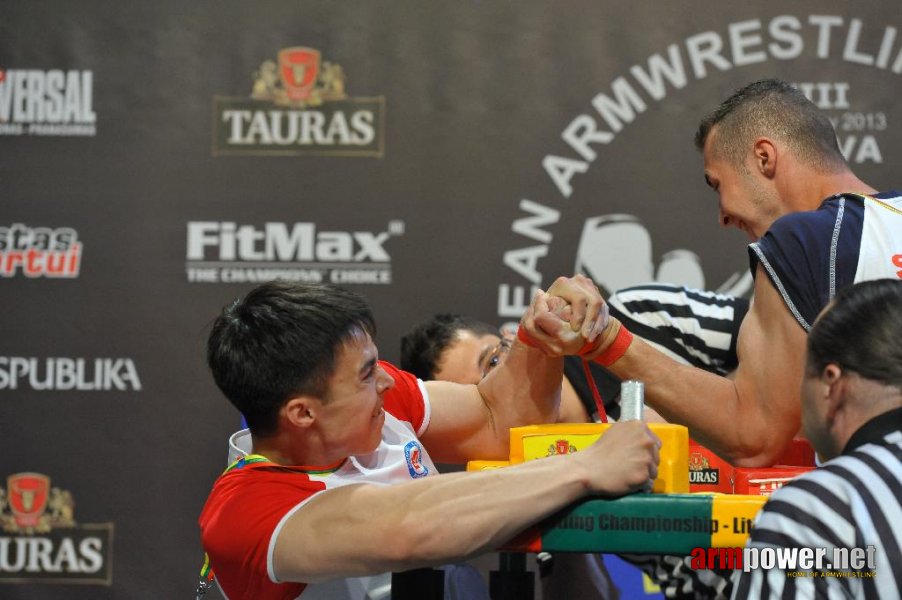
{"type": "Point", "coordinates": [525, 390]}
{"type": "Point", "coordinates": [470, 422]}
{"type": "Point", "coordinates": [425, 522]}
{"type": "Point", "coordinates": [720, 414]}
{"type": "Point", "coordinates": [365, 529]}
{"type": "Point", "coordinates": [485, 513]}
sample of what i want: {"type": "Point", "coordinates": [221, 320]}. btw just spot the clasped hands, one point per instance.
{"type": "Point", "coordinates": [570, 318]}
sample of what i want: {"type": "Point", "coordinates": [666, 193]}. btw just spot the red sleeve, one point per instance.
{"type": "Point", "coordinates": [405, 399]}
{"type": "Point", "coordinates": [238, 522]}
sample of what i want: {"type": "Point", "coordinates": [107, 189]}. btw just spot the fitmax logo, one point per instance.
{"type": "Point", "coordinates": [275, 242]}
{"type": "Point", "coordinates": [228, 252]}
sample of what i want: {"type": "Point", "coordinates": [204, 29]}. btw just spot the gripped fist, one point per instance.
{"type": "Point", "coordinates": [562, 322]}
{"type": "Point", "coordinates": [549, 331]}
{"type": "Point", "coordinates": [588, 312]}
{"type": "Point", "coordinates": [560, 308]}
{"type": "Point", "coordinates": [625, 459]}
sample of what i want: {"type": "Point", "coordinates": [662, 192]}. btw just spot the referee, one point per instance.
{"type": "Point", "coordinates": [852, 414]}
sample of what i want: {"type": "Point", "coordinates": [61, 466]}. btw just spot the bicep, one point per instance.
{"type": "Point", "coordinates": [329, 536]}
{"type": "Point", "coordinates": [771, 353]}
{"type": "Point", "coordinates": [460, 424]}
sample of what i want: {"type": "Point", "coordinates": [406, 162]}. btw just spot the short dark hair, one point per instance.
{"type": "Point", "coordinates": [279, 341]}
{"type": "Point", "coordinates": [422, 347]}
{"type": "Point", "coordinates": [861, 332]}
{"type": "Point", "coordinates": [777, 109]}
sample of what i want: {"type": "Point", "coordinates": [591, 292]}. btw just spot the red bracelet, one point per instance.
{"type": "Point", "coordinates": [524, 337]}
{"type": "Point", "coordinates": [617, 349]}
{"type": "Point", "coordinates": [527, 339]}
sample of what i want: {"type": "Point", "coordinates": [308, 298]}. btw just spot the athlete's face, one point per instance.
{"type": "Point", "coordinates": [747, 200]}
{"type": "Point", "coordinates": [470, 357]}
{"type": "Point", "coordinates": [352, 414]}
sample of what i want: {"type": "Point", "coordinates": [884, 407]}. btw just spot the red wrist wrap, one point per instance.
{"type": "Point", "coordinates": [617, 349]}
{"type": "Point", "coordinates": [524, 337]}
{"type": "Point", "coordinates": [588, 348]}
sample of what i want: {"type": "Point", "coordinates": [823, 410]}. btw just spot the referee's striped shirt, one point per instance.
{"type": "Point", "coordinates": [852, 501]}
{"type": "Point", "coordinates": [692, 326]}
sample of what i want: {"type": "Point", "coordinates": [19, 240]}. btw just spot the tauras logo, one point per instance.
{"type": "Point", "coordinates": [231, 252]}
{"type": "Point", "coordinates": [700, 470]}
{"type": "Point", "coordinates": [53, 102]}
{"type": "Point", "coordinates": [299, 105]}
{"type": "Point", "coordinates": [39, 251]}
{"type": "Point", "coordinates": [64, 374]}
{"type": "Point", "coordinates": [704, 476]}
{"type": "Point", "coordinates": [41, 542]}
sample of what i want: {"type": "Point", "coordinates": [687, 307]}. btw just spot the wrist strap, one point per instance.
{"type": "Point", "coordinates": [589, 347]}
{"type": "Point", "coordinates": [524, 337]}
{"type": "Point", "coordinates": [617, 349]}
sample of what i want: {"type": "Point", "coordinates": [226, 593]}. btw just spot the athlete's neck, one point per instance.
{"type": "Point", "coordinates": [282, 450]}
{"type": "Point", "coordinates": [841, 183]}
{"type": "Point", "coordinates": [807, 190]}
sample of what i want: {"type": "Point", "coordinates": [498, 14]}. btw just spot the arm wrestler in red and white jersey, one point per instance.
{"type": "Point", "coordinates": [341, 481]}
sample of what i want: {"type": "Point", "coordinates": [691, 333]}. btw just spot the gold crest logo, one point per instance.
{"type": "Point", "coordinates": [298, 105]}
{"type": "Point", "coordinates": [299, 79]}
{"type": "Point", "coordinates": [34, 506]}
{"type": "Point", "coordinates": [561, 447]}
{"type": "Point", "coordinates": [698, 461]}
{"type": "Point", "coordinates": [40, 540]}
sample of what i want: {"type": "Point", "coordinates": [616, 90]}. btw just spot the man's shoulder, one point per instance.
{"type": "Point", "coordinates": [238, 521]}
{"type": "Point", "coordinates": [829, 478]}
{"type": "Point", "coordinates": [807, 234]}
{"type": "Point", "coordinates": [258, 486]}
{"type": "Point", "coordinates": [809, 255]}
{"type": "Point", "coordinates": [811, 222]}
{"type": "Point", "coordinates": [806, 511]}
{"type": "Point", "coordinates": [827, 502]}
{"type": "Point", "coordinates": [832, 486]}
{"type": "Point", "coordinates": [405, 383]}
{"type": "Point", "coordinates": [825, 217]}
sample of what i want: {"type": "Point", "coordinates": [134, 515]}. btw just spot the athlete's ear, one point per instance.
{"type": "Point", "coordinates": [765, 152]}
{"type": "Point", "coordinates": [300, 411]}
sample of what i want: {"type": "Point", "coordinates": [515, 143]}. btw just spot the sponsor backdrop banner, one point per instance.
{"type": "Point", "coordinates": [159, 159]}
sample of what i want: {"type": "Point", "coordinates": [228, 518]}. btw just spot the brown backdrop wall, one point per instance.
{"type": "Point", "coordinates": [479, 149]}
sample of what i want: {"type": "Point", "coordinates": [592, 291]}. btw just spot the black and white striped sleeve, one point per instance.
{"type": "Point", "coordinates": [692, 326]}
